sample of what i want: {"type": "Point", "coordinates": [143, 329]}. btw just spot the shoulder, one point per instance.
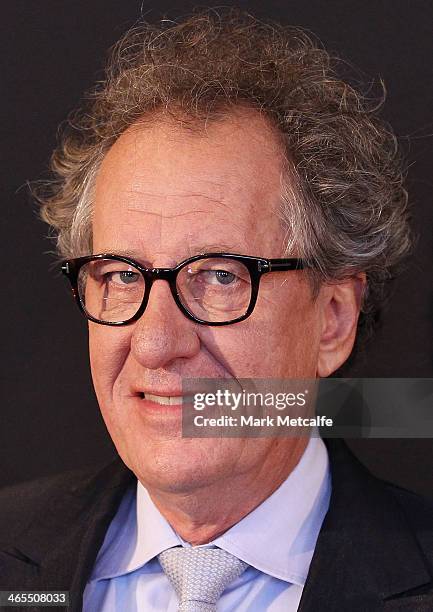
{"type": "Point", "coordinates": [377, 514]}
{"type": "Point", "coordinates": [45, 522]}
{"type": "Point", "coordinates": [375, 548]}
{"type": "Point", "coordinates": [418, 513]}
{"type": "Point", "coordinates": [21, 503]}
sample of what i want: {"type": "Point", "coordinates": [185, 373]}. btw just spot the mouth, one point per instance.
{"type": "Point", "coordinates": [162, 400]}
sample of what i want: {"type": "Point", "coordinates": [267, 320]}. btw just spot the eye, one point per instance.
{"type": "Point", "coordinates": [215, 277]}
{"type": "Point", "coordinates": [223, 277]}
{"type": "Point", "coordinates": [123, 277]}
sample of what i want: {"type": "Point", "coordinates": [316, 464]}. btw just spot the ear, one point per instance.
{"type": "Point", "coordinates": [341, 304]}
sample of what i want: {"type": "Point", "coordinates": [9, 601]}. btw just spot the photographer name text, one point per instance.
{"type": "Point", "coordinates": [267, 421]}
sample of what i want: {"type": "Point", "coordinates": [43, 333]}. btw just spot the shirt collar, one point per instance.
{"type": "Point", "coordinates": [137, 533]}
{"type": "Point", "coordinates": [278, 537]}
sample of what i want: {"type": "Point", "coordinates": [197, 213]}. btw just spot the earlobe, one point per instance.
{"type": "Point", "coordinates": [341, 306]}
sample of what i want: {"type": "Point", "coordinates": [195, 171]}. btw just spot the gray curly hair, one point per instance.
{"type": "Point", "coordinates": [343, 203]}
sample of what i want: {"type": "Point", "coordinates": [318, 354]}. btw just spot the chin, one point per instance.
{"type": "Point", "coordinates": [180, 465]}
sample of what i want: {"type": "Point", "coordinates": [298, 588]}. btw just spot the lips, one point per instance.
{"type": "Point", "coordinates": [161, 406]}
{"type": "Point", "coordinates": [163, 400]}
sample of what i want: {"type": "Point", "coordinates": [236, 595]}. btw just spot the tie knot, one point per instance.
{"type": "Point", "coordinates": [200, 575]}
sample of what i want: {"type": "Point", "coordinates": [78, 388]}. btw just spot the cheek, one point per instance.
{"type": "Point", "coordinates": [281, 339]}
{"type": "Point", "coordinates": [109, 348]}
{"type": "Point", "coordinates": [251, 349]}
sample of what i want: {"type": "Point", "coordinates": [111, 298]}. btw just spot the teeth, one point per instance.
{"type": "Point", "coordinates": [165, 400]}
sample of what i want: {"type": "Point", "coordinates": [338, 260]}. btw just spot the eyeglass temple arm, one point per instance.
{"type": "Point", "coordinates": [284, 264]}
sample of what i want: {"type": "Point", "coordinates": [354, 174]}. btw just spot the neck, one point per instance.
{"type": "Point", "coordinates": [204, 513]}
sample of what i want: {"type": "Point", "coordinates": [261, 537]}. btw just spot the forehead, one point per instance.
{"type": "Point", "coordinates": [165, 188]}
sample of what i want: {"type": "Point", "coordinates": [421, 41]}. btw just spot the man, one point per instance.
{"type": "Point", "coordinates": [226, 209]}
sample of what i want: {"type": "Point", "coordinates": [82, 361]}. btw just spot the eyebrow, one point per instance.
{"type": "Point", "coordinates": [215, 247]}
{"type": "Point", "coordinates": [196, 249]}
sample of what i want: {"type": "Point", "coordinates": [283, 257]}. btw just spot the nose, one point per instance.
{"type": "Point", "coordinates": [163, 333]}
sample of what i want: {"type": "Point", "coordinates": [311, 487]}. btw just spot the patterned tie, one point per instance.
{"type": "Point", "coordinates": [200, 575]}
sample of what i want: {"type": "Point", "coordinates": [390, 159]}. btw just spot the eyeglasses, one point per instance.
{"type": "Point", "coordinates": [211, 289]}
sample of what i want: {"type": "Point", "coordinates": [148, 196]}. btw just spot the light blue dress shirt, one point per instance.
{"type": "Point", "coordinates": [277, 540]}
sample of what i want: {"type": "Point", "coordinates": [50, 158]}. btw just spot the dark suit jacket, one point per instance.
{"type": "Point", "coordinates": [374, 551]}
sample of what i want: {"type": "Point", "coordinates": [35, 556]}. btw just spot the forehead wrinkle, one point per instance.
{"type": "Point", "coordinates": [186, 194]}
{"type": "Point", "coordinates": [166, 216]}
{"type": "Point", "coordinates": [202, 195]}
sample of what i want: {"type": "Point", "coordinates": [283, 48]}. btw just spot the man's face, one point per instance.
{"type": "Point", "coordinates": [164, 194]}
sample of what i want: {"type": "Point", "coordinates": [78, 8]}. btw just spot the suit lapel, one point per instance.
{"type": "Point", "coordinates": [366, 552]}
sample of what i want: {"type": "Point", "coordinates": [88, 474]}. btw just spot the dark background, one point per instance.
{"type": "Point", "coordinates": [51, 51]}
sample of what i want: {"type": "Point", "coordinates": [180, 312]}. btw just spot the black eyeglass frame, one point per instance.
{"type": "Point", "coordinates": [257, 266]}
